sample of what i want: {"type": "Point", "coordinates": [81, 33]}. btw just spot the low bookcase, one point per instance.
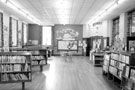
{"type": "Point", "coordinates": [15, 67]}
{"type": "Point", "coordinates": [39, 56]}
{"type": "Point", "coordinates": [119, 67]}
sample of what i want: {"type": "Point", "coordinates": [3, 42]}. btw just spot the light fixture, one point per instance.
{"type": "Point", "coordinates": [4, 1]}
{"type": "Point", "coordinates": [107, 10]}
{"type": "Point", "coordinates": [18, 9]}
{"type": "Point", "coordinates": [121, 1]}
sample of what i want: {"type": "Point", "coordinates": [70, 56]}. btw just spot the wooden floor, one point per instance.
{"type": "Point", "coordinates": [65, 74]}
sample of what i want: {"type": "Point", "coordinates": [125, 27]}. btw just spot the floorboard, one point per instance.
{"type": "Point", "coordinates": [62, 73]}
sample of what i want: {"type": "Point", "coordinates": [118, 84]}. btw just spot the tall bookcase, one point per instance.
{"type": "Point", "coordinates": [15, 67]}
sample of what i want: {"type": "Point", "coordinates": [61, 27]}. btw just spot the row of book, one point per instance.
{"type": "Point", "coordinates": [124, 58]}
{"type": "Point", "coordinates": [13, 59]}
{"type": "Point", "coordinates": [105, 68]}
{"type": "Point", "coordinates": [117, 64]}
{"type": "Point", "coordinates": [115, 56]}
{"type": "Point", "coordinates": [106, 63]}
{"type": "Point", "coordinates": [15, 68]}
{"type": "Point", "coordinates": [106, 57]}
{"type": "Point", "coordinates": [132, 74]}
{"type": "Point", "coordinates": [15, 77]}
{"type": "Point", "coordinates": [37, 57]}
{"type": "Point", "coordinates": [115, 71]}
{"type": "Point", "coordinates": [121, 58]}
{"type": "Point", "coordinates": [38, 62]}
{"type": "Point", "coordinates": [126, 71]}
{"type": "Point", "coordinates": [35, 52]}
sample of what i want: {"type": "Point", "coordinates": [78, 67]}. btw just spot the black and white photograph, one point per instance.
{"type": "Point", "coordinates": [67, 44]}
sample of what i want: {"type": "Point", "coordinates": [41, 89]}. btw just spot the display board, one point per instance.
{"type": "Point", "coordinates": [68, 45]}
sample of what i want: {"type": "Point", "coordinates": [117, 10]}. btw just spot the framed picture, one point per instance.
{"type": "Point", "coordinates": [131, 44]}
{"type": "Point", "coordinates": [1, 29]}
{"type": "Point", "coordinates": [67, 45]}
{"type": "Point", "coordinates": [13, 32]}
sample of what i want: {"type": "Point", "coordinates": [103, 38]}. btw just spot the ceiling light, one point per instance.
{"type": "Point", "coordinates": [4, 1]}
{"type": "Point", "coordinates": [121, 1]}
{"type": "Point", "coordinates": [107, 10]}
{"type": "Point", "coordinates": [18, 9]}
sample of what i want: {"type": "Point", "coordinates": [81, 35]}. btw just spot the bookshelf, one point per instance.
{"type": "Point", "coordinates": [128, 78]}
{"type": "Point", "coordinates": [106, 62]}
{"type": "Point", "coordinates": [119, 62]}
{"type": "Point", "coordinates": [15, 67]}
{"type": "Point", "coordinates": [39, 56]}
{"type": "Point", "coordinates": [98, 59]}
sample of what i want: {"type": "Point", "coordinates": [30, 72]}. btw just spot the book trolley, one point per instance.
{"type": "Point", "coordinates": [15, 67]}
{"type": "Point", "coordinates": [119, 67]}
{"type": "Point", "coordinates": [98, 59]}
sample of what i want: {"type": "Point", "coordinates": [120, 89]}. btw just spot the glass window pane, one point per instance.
{"type": "Point", "coordinates": [46, 36]}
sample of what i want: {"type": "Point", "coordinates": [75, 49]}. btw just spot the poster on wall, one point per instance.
{"type": "Point", "coordinates": [68, 45]}
{"type": "Point", "coordinates": [67, 34]}
{"type": "Point", "coordinates": [1, 36]}
{"type": "Point", "coordinates": [14, 32]}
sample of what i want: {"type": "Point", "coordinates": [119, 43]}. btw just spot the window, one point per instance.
{"type": "Point", "coordinates": [47, 35]}
{"type": "Point", "coordinates": [13, 32]}
{"type": "Point", "coordinates": [24, 33]}
{"type": "Point", "coordinates": [1, 31]}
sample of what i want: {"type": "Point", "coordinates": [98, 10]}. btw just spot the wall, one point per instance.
{"type": "Point", "coordinates": [35, 33]}
{"type": "Point", "coordinates": [100, 30]}
{"type": "Point", "coordinates": [57, 29]}
{"type": "Point", "coordinates": [6, 28]}
{"type": "Point", "coordinates": [123, 26]}
{"type": "Point", "coordinates": [86, 31]}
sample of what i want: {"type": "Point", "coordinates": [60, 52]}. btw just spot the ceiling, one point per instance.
{"type": "Point", "coordinates": [50, 12]}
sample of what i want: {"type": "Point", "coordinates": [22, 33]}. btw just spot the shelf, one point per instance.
{"type": "Point", "coordinates": [98, 64]}
{"type": "Point", "coordinates": [115, 76]}
{"type": "Point", "coordinates": [125, 77]}
{"type": "Point", "coordinates": [98, 59]}
{"type": "Point", "coordinates": [39, 65]}
{"type": "Point", "coordinates": [13, 63]}
{"type": "Point", "coordinates": [38, 59]}
{"type": "Point", "coordinates": [15, 53]}
{"type": "Point", "coordinates": [17, 72]}
{"type": "Point", "coordinates": [118, 61]}
{"type": "Point", "coordinates": [15, 81]}
{"type": "Point", "coordinates": [116, 67]}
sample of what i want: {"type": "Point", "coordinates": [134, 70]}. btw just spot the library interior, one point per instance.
{"type": "Point", "coordinates": [67, 44]}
